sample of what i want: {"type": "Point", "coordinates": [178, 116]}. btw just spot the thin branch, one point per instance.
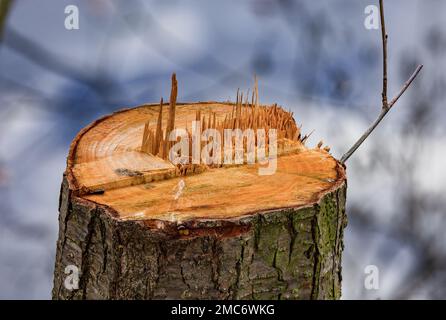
{"type": "Point", "coordinates": [381, 116]}
{"type": "Point", "coordinates": [385, 105]}
{"type": "Point", "coordinates": [406, 85]}
{"type": "Point", "coordinates": [384, 43]}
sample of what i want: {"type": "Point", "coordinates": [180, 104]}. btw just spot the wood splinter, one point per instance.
{"type": "Point", "coordinates": [242, 116]}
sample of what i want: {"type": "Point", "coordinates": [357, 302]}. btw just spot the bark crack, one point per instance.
{"type": "Point", "coordinates": [66, 220]}
{"type": "Point", "coordinates": [183, 278]}
{"type": "Point", "coordinates": [257, 227]}
{"type": "Point", "coordinates": [293, 234]}
{"type": "Point", "coordinates": [336, 244]}
{"type": "Point", "coordinates": [274, 265]}
{"type": "Point", "coordinates": [64, 240]}
{"type": "Point", "coordinates": [238, 270]}
{"type": "Point", "coordinates": [103, 230]}
{"type": "Point", "coordinates": [118, 262]}
{"type": "Point", "coordinates": [85, 270]}
{"type": "Point", "coordinates": [316, 255]}
{"type": "Point", "coordinates": [215, 265]}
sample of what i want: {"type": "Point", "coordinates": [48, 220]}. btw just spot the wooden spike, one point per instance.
{"type": "Point", "coordinates": [203, 124]}
{"type": "Point", "coordinates": [163, 148]}
{"type": "Point", "coordinates": [159, 129]}
{"type": "Point", "coordinates": [172, 105]}
{"type": "Point", "coordinates": [210, 119]}
{"type": "Point", "coordinates": [239, 110]}
{"type": "Point", "coordinates": [145, 137]}
{"type": "Point", "coordinates": [147, 143]}
{"type": "Point", "coordinates": [256, 88]}
{"type": "Point", "coordinates": [152, 142]}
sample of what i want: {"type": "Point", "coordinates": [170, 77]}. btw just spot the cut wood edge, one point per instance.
{"type": "Point", "coordinates": [77, 191]}
{"type": "Point", "coordinates": [198, 225]}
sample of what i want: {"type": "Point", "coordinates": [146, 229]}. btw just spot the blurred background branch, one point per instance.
{"type": "Point", "coordinates": [5, 6]}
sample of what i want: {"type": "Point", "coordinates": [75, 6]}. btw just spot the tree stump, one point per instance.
{"type": "Point", "coordinates": [138, 227]}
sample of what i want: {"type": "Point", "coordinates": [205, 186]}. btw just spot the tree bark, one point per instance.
{"type": "Point", "coordinates": [282, 254]}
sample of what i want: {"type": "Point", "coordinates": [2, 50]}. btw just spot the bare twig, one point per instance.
{"type": "Point", "coordinates": [386, 106]}
{"type": "Point", "coordinates": [384, 43]}
{"type": "Point", "coordinates": [381, 116]}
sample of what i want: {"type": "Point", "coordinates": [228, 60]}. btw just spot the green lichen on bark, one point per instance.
{"type": "Point", "coordinates": [328, 225]}
{"type": "Point", "coordinates": [283, 254]}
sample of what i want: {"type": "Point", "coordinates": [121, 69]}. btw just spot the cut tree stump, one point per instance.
{"type": "Point", "coordinates": [138, 227]}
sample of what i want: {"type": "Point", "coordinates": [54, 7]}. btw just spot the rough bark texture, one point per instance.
{"type": "Point", "coordinates": [282, 254]}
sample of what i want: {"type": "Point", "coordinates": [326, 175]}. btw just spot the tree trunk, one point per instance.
{"type": "Point", "coordinates": [242, 237]}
